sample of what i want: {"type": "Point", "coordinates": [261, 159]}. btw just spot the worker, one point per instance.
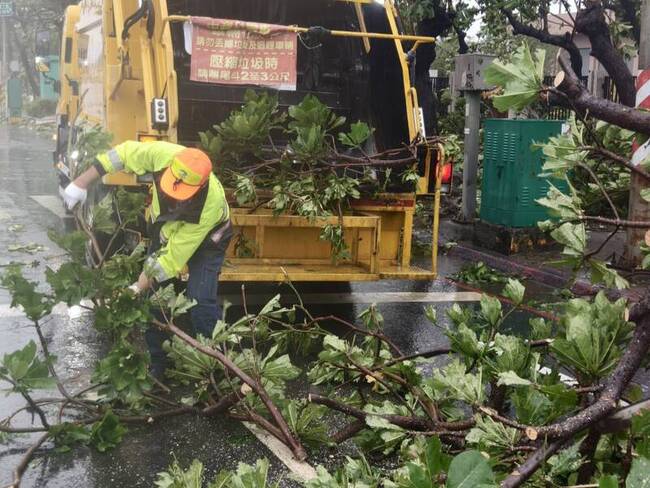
{"type": "Point", "coordinates": [190, 226]}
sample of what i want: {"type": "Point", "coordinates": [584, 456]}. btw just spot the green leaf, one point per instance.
{"type": "Point", "coordinates": [514, 291]}
{"type": "Point", "coordinates": [565, 462]}
{"type": "Point", "coordinates": [641, 423]}
{"type": "Point", "coordinates": [645, 194]}
{"type": "Point", "coordinates": [573, 237]}
{"type": "Point", "coordinates": [377, 422]}
{"type": "Point", "coordinates": [491, 309]}
{"type": "Point", "coordinates": [520, 79]}
{"type": "Point", "coordinates": [510, 378]}
{"type": "Point", "coordinates": [72, 282]}
{"type": "Point", "coordinates": [435, 460]}
{"type": "Point", "coordinates": [107, 433]}
{"type": "Point", "coordinates": [311, 112]}
{"type": "Point", "coordinates": [594, 334]}
{"type": "Point", "coordinates": [26, 370]}
{"type": "Point", "coordinates": [601, 273]}
{"type": "Point", "coordinates": [333, 342]}
{"type": "Point", "coordinates": [74, 243]}
{"type": "Point", "coordinates": [468, 470]}
{"type": "Point", "coordinates": [279, 369]}
{"type": "Point", "coordinates": [608, 481]}
{"type": "Point", "coordinates": [639, 476]}
{"type": "Point", "coordinates": [493, 437]}
{"type": "Point", "coordinates": [36, 305]}
{"type": "Point", "coordinates": [358, 134]}
{"type": "Point", "coordinates": [465, 341]}
{"type": "Point", "coordinates": [68, 435]}
{"type": "Point", "coordinates": [431, 314]}
{"type": "Point", "coordinates": [245, 190]}
{"type": "Point", "coordinates": [453, 382]}
{"type": "Point", "coordinates": [102, 217]}
{"type": "Point", "coordinates": [248, 476]}
{"type": "Point", "coordinates": [560, 205]}
{"type": "Point", "coordinates": [176, 477]}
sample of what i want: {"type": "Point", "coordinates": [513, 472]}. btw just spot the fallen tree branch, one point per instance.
{"type": "Point", "coordinates": [560, 432]}
{"type": "Point", "coordinates": [24, 462]}
{"type": "Point", "coordinates": [570, 93]}
{"type": "Point", "coordinates": [617, 158]}
{"type": "Point", "coordinates": [532, 464]}
{"type": "Point", "coordinates": [296, 447]}
{"type": "Point", "coordinates": [410, 423]}
{"type": "Point", "coordinates": [419, 424]}
{"type": "Point", "coordinates": [359, 330]}
{"type": "Point", "coordinates": [630, 224]}
{"type": "Point", "coordinates": [223, 404]}
{"type": "Point", "coordinates": [348, 431]}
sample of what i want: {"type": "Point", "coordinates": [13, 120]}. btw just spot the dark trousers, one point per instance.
{"type": "Point", "coordinates": [202, 286]}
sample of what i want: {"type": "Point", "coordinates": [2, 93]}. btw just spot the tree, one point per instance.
{"type": "Point", "coordinates": [31, 17]}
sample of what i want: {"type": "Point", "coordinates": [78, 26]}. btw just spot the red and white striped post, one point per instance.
{"type": "Point", "coordinates": [639, 209]}
{"type": "Point", "coordinates": [641, 152]}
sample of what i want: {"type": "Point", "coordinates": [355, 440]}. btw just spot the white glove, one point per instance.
{"type": "Point", "coordinates": [135, 289]}
{"type": "Point", "coordinates": [74, 195]}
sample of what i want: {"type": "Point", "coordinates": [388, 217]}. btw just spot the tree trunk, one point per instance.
{"type": "Point", "coordinates": [28, 64]}
{"type": "Point", "coordinates": [591, 22]}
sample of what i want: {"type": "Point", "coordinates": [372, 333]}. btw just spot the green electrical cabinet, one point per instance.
{"type": "Point", "coordinates": [15, 97]}
{"type": "Point", "coordinates": [511, 169]}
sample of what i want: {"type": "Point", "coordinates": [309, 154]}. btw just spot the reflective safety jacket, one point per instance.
{"type": "Point", "coordinates": [185, 226]}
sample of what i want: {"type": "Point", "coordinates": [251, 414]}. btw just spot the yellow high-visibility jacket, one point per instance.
{"type": "Point", "coordinates": [182, 236]}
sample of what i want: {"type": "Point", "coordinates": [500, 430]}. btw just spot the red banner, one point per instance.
{"type": "Point", "coordinates": [233, 52]}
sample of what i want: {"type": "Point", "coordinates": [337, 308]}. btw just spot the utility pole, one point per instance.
{"type": "Point", "coordinates": [472, 143]}
{"type": "Point", "coordinates": [639, 209]}
{"type": "Point", "coordinates": [5, 61]}
{"type": "Point", "coordinates": [469, 79]}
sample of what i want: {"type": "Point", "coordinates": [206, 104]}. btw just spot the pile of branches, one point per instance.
{"type": "Point", "coordinates": [506, 408]}
{"type": "Point", "coordinates": [307, 161]}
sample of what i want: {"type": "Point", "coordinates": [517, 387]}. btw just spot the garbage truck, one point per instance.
{"type": "Point", "coordinates": [130, 67]}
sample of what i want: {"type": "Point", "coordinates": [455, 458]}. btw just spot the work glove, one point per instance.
{"type": "Point", "coordinates": [135, 289]}
{"type": "Point", "coordinates": [73, 195]}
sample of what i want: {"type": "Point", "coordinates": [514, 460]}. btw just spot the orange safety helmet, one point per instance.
{"type": "Point", "coordinates": [187, 174]}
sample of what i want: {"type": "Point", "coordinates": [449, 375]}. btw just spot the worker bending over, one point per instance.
{"type": "Point", "coordinates": [191, 225]}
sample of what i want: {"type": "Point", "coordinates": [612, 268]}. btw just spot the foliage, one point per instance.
{"type": "Point", "coordinates": [40, 107]}
{"type": "Point", "coordinates": [107, 433]}
{"type": "Point", "coordinates": [91, 141]}
{"type": "Point", "coordinates": [520, 79]}
{"type": "Point", "coordinates": [572, 156]}
{"type": "Point", "coordinates": [24, 370]}
{"type": "Point", "coordinates": [245, 476]}
{"type": "Point", "coordinates": [479, 273]}
{"type": "Point", "coordinates": [589, 339]}
{"type": "Point", "coordinates": [293, 157]}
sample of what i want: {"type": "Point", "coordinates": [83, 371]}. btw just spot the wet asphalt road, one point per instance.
{"type": "Point", "coordinates": [25, 171]}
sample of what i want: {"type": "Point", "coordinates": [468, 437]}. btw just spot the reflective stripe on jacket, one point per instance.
{"type": "Point", "coordinates": [183, 238]}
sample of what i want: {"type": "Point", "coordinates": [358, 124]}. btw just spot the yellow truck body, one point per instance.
{"type": "Point", "coordinates": [119, 55]}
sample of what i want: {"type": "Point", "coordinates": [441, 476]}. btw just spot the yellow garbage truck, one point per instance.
{"type": "Point", "coordinates": [127, 66]}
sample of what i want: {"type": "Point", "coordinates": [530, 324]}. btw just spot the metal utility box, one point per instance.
{"type": "Point", "coordinates": [15, 97]}
{"type": "Point", "coordinates": [469, 71]}
{"type": "Point", "coordinates": [510, 171]}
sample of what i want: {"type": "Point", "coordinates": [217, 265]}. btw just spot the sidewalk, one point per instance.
{"type": "Point", "coordinates": [537, 264]}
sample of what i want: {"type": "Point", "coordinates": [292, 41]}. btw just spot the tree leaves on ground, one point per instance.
{"type": "Point", "coordinates": [107, 433]}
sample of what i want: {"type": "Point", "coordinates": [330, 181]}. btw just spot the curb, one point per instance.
{"type": "Point", "coordinates": [547, 276]}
